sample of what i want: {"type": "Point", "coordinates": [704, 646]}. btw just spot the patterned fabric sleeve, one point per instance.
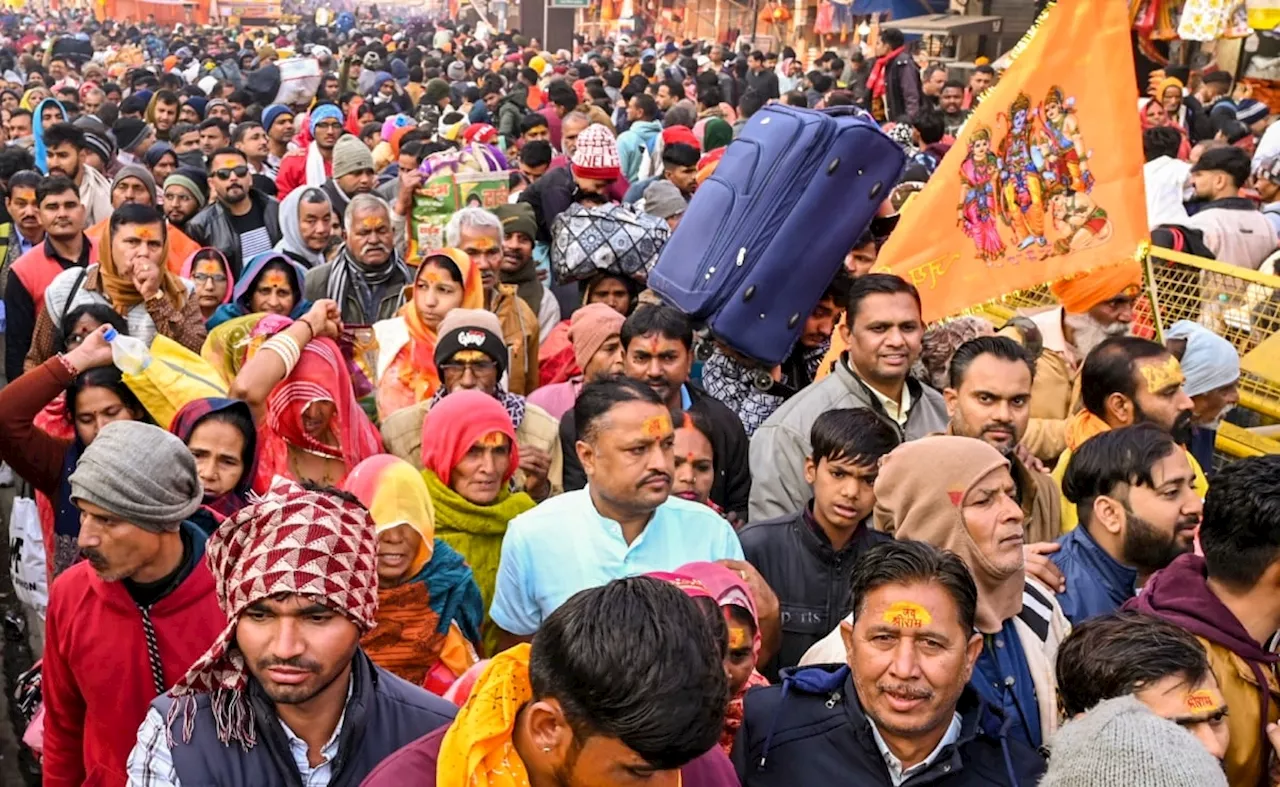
{"type": "Point", "coordinates": [185, 326]}
{"type": "Point", "coordinates": [151, 761]}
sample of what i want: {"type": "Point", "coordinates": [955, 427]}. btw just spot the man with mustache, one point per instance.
{"type": "Point", "coordinates": [241, 222]}
{"type": "Point", "coordinates": [368, 278]}
{"type": "Point", "coordinates": [1230, 600]}
{"type": "Point", "coordinates": [125, 623]}
{"type": "Point", "coordinates": [285, 694]}
{"type": "Point", "coordinates": [1126, 381]}
{"type": "Point", "coordinates": [65, 152]}
{"type": "Point", "coordinates": [657, 349]}
{"type": "Point", "coordinates": [989, 398]}
{"type": "Point", "coordinates": [1212, 366]}
{"type": "Point", "coordinates": [481, 235]}
{"type": "Point", "coordinates": [1133, 489]}
{"type": "Point", "coordinates": [957, 493]}
{"type": "Point", "coordinates": [1095, 305]}
{"type": "Point", "coordinates": [896, 705]}
{"type": "Point", "coordinates": [624, 523]}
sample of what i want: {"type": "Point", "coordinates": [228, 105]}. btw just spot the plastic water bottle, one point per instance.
{"type": "Point", "coordinates": [129, 354]}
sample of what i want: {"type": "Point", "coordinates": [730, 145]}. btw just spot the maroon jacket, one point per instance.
{"type": "Point", "coordinates": [416, 764]}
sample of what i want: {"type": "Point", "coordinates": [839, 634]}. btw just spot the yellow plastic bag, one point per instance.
{"type": "Point", "coordinates": [175, 377]}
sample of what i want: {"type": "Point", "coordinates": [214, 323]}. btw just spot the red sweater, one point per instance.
{"type": "Point", "coordinates": [97, 680]}
{"type": "Point", "coordinates": [293, 172]}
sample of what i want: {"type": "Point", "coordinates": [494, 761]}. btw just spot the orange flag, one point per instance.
{"type": "Point", "coordinates": [1045, 180]}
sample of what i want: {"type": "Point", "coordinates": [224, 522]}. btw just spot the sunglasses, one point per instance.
{"type": "Point", "coordinates": [225, 174]}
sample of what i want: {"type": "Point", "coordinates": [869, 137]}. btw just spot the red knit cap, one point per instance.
{"type": "Point", "coordinates": [682, 135]}
{"type": "Point", "coordinates": [480, 132]}
{"type": "Point", "coordinates": [596, 156]}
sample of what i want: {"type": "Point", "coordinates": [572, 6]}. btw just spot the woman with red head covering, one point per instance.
{"type": "Point", "coordinates": [1153, 115]}
{"type": "Point", "coordinates": [469, 454]}
{"type": "Point", "coordinates": [310, 426]}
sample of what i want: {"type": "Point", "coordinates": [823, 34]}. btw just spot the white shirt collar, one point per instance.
{"type": "Point", "coordinates": [896, 772]}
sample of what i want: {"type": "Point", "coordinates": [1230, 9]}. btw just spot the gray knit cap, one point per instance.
{"type": "Point", "coordinates": [350, 155]}
{"type": "Point", "coordinates": [140, 473]}
{"type": "Point", "coordinates": [663, 199]}
{"type": "Point", "coordinates": [1120, 742]}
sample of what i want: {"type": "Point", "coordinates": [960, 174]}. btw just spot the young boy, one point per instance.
{"type": "Point", "coordinates": [807, 557]}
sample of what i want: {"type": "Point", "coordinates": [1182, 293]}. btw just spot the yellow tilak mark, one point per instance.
{"type": "Point", "coordinates": [493, 440]}
{"type": "Point", "coordinates": [657, 426]}
{"type": "Point", "coordinates": [907, 615]}
{"type": "Point", "coordinates": [1162, 375]}
{"type": "Point", "coordinates": [1203, 700]}
{"type": "Point", "coordinates": [737, 637]}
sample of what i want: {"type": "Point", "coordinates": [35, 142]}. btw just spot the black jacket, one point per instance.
{"type": "Point", "coordinates": [732, 486]}
{"type": "Point", "coordinates": [810, 578]}
{"type": "Point", "coordinates": [212, 227]}
{"type": "Point", "coordinates": [549, 196]}
{"type": "Point", "coordinates": [765, 83]}
{"type": "Point", "coordinates": [811, 731]}
{"type": "Point", "coordinates": [903, 93]}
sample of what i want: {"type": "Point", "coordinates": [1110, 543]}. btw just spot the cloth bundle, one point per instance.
{"type": "Point", "coordinates": [610, 238]}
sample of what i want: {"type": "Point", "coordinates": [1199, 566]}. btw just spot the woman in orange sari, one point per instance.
{"type": "Point", "coordinates": [406, 369]}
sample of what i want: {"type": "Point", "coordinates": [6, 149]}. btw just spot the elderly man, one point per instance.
{"type": "Point", "coordinates": [125, 623]}
{"type": "Point", "coordinates": [285, 695]}
{"type": "Point", "coordinates": [368, 279]}
{"type": "Point", "coordinates": [1127, 381]}
{"type": "Point", "coordinates": [479, 233]}
{"type": "Point", "coordinates": [625, 522]}
{"type": "Point", "coordinates": [957, 493]}
{"type": "Point", "coordinates": [989, 398]}
{"type": "Point", "coordinates": [518, 268]}
{"type": "Point", "coordinates": [897, 705]}
{"type": "Point", "coordinates": [1095, 305]}
{"type": "Point", "coordinates": [883, 331]}
{"type": "Point", "coordinates": [352, 172]}
{"type": "Point", "coordinates": [1212, 368]}
{"type": "Point", "coordinates": [1133, 489]}
{"type": "Point", "coordinates": [242, 223]}
{"type": "Point", "coordinates": [470, 355]}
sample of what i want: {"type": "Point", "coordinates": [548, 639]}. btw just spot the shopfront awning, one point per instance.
{"type": "Point", "coordinates": [950, 25]}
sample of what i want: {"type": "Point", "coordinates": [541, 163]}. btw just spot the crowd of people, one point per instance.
{"type": "Point", "coordinates": [367, 511]}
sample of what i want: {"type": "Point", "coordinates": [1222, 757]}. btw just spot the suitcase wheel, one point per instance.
{"type": "Point", "coordinates": [875, 190]}
{"type": "Point", "coordinates": [749, 294]}
{"type": "Point", "coordinates": [831, 168]}
{"type": "Point", "coordinates": [762, 380]}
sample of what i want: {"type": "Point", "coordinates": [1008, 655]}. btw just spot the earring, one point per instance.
{"type": "Point", "coordinates": [546, 749]}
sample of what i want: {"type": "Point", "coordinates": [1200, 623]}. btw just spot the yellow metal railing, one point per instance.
{"type": "Point", "coordinates": [1239, 304]}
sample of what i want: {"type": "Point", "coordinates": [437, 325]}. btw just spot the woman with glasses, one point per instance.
{"type": "Point", "coordinates": [209, 271]}
{"type": "Point", "coordinates": [406, 369]}
{"type": "Point", "coordinates": [310, 425]}
{"type": "Point", "coordinates": [43, 432]}
{"type": "Point", "coordinates": [271, 283]}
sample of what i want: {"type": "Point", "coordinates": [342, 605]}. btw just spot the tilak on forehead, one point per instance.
{"type": "Point", "coordinates": [275, 279]}
{"type": "Point", "coordinates": [372, 222]}
{"type": "Point", "coordinates": [482, 243]}
{"type": "Point", "coordinates": [907, 615]}
{"type": "Point", "coordinates": [493, 440]}
{"type": "Point", "coordinates": [738, 638]}
{"type": "Point", "coordinates": [1160, 376]}
{"type": "Point", "coordinates": [433, 275]}
{"type": "Point", "coordinates": [1202, 700]}
{"type": "Point", "coordinates": [146, 233]}
{"type": "Point", "coordinates": [657, 425]}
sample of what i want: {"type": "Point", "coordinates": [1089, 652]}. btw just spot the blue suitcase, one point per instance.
{"type": "Point", "coordinates": [764, 236]}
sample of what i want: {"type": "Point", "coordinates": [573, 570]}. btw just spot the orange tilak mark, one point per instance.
{"type": "Point", "coordinates": [433, 276]}
{"type": "Point", "coordinates": [907, 615]}
{"type": "Point", "coordinates": [493, 440]}
{"type": "Point", "coordinates": [689, 458]}
{"type": "Point", "coordinates": [1202, 700]}
{"type": "Point", "coordinates": [275, 280]}
{"type": "Point", "coordinates": [146, 233]}
{"type": "Point", "coordinates": [483, 244]}
{"type": "Point", "coordinates": [657, 426]}
{"type": "Point", "coordinates": [737, 637]}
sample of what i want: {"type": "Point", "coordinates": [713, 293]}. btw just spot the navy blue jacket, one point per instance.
{"type": "Point", "coordinates": [1096, 582]}
{"type": "Point", "coordinates": [810, 731]}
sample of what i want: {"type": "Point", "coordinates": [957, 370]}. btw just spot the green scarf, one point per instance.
{"type": "Point", "coordinates": [476, 532]}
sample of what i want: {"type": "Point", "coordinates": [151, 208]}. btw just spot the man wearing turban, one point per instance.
{"type": "Point", "coordinates": [1094, 305]}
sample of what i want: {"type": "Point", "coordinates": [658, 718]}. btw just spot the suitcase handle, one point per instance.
{"type": "Point", "coordinates": [843, 111]}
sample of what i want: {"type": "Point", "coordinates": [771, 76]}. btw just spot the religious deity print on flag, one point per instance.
{"type": "Point", "coordinates": [1045, 178]}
